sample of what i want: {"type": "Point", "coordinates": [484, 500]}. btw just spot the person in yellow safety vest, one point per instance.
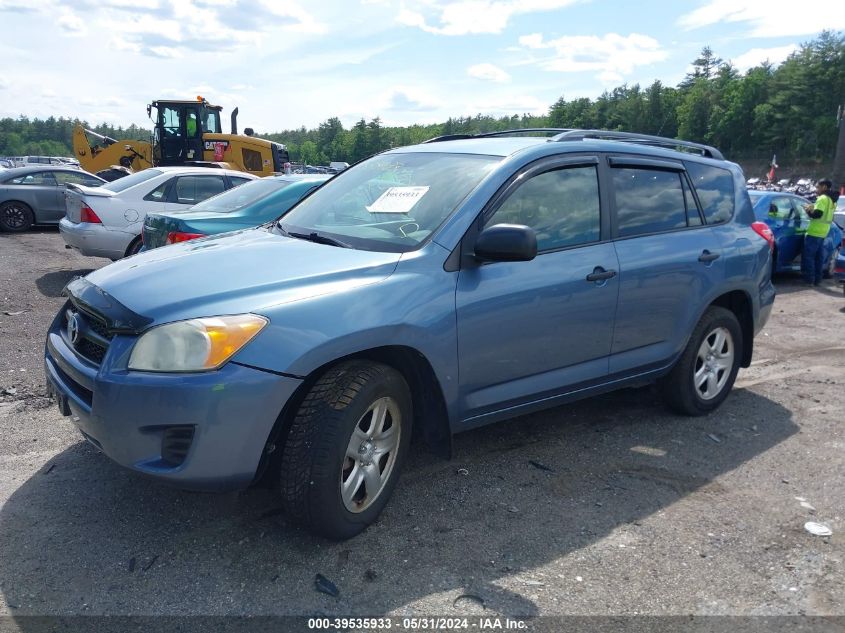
{"type": "Point", "coordinates": [821, 216]}
{"type": "Point", "coordinates": [191, 125]}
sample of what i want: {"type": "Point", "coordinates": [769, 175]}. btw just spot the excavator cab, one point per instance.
{"type": "Point", "coordinates": [179, 127]}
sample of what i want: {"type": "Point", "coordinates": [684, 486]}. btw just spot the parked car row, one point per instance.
{"type": "Point", "coordinates": [425, 291]}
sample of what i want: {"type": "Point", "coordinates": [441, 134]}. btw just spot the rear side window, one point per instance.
{"type": "Point", "coordinates": [193, 189]}
{"type": "Point", "coordinates": [648, 201]}
{"type": "Point", "coordinates": [237, 180]}
{"type": "Point", "coordinates": [715, 188]}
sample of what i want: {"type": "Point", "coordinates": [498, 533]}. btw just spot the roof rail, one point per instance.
{"type": "Point", "coordinates": [643, 139]}
{"type": "Point", "coordinates": [524, 130]}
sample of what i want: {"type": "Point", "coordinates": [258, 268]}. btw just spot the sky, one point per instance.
{"type": "Point", "coordinates": [291, 63]}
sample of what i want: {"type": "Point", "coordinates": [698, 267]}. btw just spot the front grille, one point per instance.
{"type": "Point", "coordinates": [92, 335]}
{"type": "Point", "coordinates": [92, 351]}
{"type": "Point", "coordinates": [176, 443]}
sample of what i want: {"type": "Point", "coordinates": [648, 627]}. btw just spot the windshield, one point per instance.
{"type": "Point", "coordinates": [391, 202]}
{"type": "Point", "coordinates": [122, 184]}
{"type": "Point", "coordinates": [240, 196]}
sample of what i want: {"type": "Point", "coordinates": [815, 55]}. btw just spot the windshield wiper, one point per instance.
{"type": "Point", "coordinates": [313, 236]}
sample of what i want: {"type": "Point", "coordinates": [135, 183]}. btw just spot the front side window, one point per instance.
{"type": "Point", "coordinates": [715, 188]}
{"type": "Point", "coordinates": [391, 202]}
{"type": "Point", "coordinates": [562, 206]}
{"type": "Point", "coordinates": [193, 189]}
{"type": "Point", "coordinates": [171, 120]}
{"type": "Point", "coordinates": [648, 201]}
{"type": "Point", "coordinates": [43, 178]}
{"type": "Point", "coordinates": [77, 178]}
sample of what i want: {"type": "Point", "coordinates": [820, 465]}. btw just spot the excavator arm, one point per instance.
{"type": "Point", "coordinates": [106, 151]}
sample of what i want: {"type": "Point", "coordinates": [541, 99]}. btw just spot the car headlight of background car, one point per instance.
{"type": "Point", "coordinates": [194, 345]}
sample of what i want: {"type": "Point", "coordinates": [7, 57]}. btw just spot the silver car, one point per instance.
{"type": "Point", "coordinates": [35, 195]}
{"type": "Point", "coordinates": [107, 221]}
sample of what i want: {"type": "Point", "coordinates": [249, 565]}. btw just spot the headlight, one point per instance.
{"type": "Point", "coordinates": [195, 345]}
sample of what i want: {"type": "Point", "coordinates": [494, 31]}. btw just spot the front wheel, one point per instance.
{"type": "Point", "coordinates": [704, 375]}
{"type": "Point", "coordinates": [345, 448]}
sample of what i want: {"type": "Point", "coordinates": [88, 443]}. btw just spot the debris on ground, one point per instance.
{"type": "Point", "coordinates": [370, 575]}
{"type": "Point", "coordinates": [151, 563]}
{"type": "Point", "coordinates": [714, 438]}
{"type": "Point", "coordinates": [471, 597]}
{"type": "Point", "coordinates": [132, 562]}
{"type": "Point", "coordinates": [540, 466]}
{"type": "Point", "coordinates": [463, 471]}
{"type": "Point", "coordinates": [817, 529]}
{"type": "Point", "coordinates": [16, 313]}
{"type": "Point", "coordinates": [807, 506]}
{"type": "Point", "coordinates": [326, 586]}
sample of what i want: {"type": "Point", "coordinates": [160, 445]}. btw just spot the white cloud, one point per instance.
{"type": "Point", "coordinates": [488, 72]}
{"type": "Point", "coordinates": [72, 24]}
{"type": "Point", "coordinates": [408, 99]}
{"type": "Point", "coordinates": [757, 56]}
{"type": "Point", "coordinates": [611, 56]}
{"type": "Point", "coordinates": [473, 16]}
{"type": "Point", "coordinates": [774, 18]}
{"type": "Point", "coordinates": [4, 83]}
{"type": "Point", "coordinates": [165, 52]}
{"type": "Point", "coordinates": [508, 105]}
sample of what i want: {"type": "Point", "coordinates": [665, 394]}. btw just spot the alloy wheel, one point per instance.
{"type": "Point", "coordinates": [370, 454]}
{"type": "Point", "coordinates": [713, 363]}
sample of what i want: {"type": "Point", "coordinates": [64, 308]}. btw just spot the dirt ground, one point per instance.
{"type": "Point", "coordinates": [609, 506]}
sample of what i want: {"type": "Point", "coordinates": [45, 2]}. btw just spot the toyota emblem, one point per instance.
{"type": "Point", "coordinates": [73, 328]}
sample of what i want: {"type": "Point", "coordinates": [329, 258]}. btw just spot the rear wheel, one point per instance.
{"type": "Point", "coordinates": [15, 216]}
{"type": "Point", "coordinates": [345, 448]}
{"type": "Point", "coordinates": [704, 375]}
{"type": "Point", "coordinates": [134, 246]}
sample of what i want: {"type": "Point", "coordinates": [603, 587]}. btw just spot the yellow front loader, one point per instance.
{"type": "Point", "coordinates": [184, 133]}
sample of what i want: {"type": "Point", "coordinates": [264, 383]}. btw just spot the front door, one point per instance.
{"type": "Point", "coordinates": [531, 330]}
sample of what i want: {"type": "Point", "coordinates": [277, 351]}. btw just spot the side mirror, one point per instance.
{"type": "Point", "coordinates": [506, 243]}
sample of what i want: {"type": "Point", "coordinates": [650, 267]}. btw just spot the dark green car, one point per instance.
{"type": "Point", "coordinates": [250, 205]}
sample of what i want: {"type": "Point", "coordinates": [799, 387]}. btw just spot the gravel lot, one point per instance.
{"type": "Point", "coordinates": [609, 506]}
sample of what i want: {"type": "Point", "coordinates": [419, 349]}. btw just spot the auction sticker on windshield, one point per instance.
{"type": "Point", "coordinates": [397, 200]}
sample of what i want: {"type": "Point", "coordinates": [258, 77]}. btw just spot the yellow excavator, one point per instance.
{"type": "Point", "coordinates": [184, 133]}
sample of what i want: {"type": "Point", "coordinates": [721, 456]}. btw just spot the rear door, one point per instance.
{"type": "Point", "coordinates": [531, 330]}
{"type": "Point", "coordinates": [668, 261]}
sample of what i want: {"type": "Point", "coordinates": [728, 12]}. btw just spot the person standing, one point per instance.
{"type": "Point", "coordinates": [821, 216]}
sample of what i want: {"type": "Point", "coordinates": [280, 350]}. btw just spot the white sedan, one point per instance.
{"type": "Point", "coordinates": [107, 221]}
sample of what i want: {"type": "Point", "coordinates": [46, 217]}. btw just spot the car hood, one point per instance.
{"type": "Point", "coordinates": [248, 271]}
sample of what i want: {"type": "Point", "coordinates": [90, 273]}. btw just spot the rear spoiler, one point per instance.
{"type": "Point", "coordinates": [82, 190]}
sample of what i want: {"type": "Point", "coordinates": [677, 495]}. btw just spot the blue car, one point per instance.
{"type": "Point", "coordinates": [250, 205]}
{"type": "Point", "coordinates": [784, 213]}
{"type": "Point", "coordinates": [426, 291]}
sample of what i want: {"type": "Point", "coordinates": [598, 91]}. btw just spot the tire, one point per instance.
{"type": "Point", "coordinates": [334, 422]}
{"type": "Point", "coordinates": [134, 247]}
{"type": "Point", "coordinates": [689, 388]}
{"type": "Point", "coordinates": [16, 217]}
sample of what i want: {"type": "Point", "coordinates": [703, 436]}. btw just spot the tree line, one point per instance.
{"type": "Point", "coordinates": [788, 110]}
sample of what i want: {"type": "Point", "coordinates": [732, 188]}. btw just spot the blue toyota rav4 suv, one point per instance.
{"type": "Point", "coordinates": [429, 290]}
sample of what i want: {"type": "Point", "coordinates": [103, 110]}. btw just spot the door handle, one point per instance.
{"type": "Point", "coordinates": [706, 256]}
{"type": "Point", "coordinates": [600, 274]}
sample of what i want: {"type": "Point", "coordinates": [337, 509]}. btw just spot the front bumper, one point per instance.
{"type": "Point", "coordinates": [94, 240]}
{"type": "Point", "coordinates": [128, 415]}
